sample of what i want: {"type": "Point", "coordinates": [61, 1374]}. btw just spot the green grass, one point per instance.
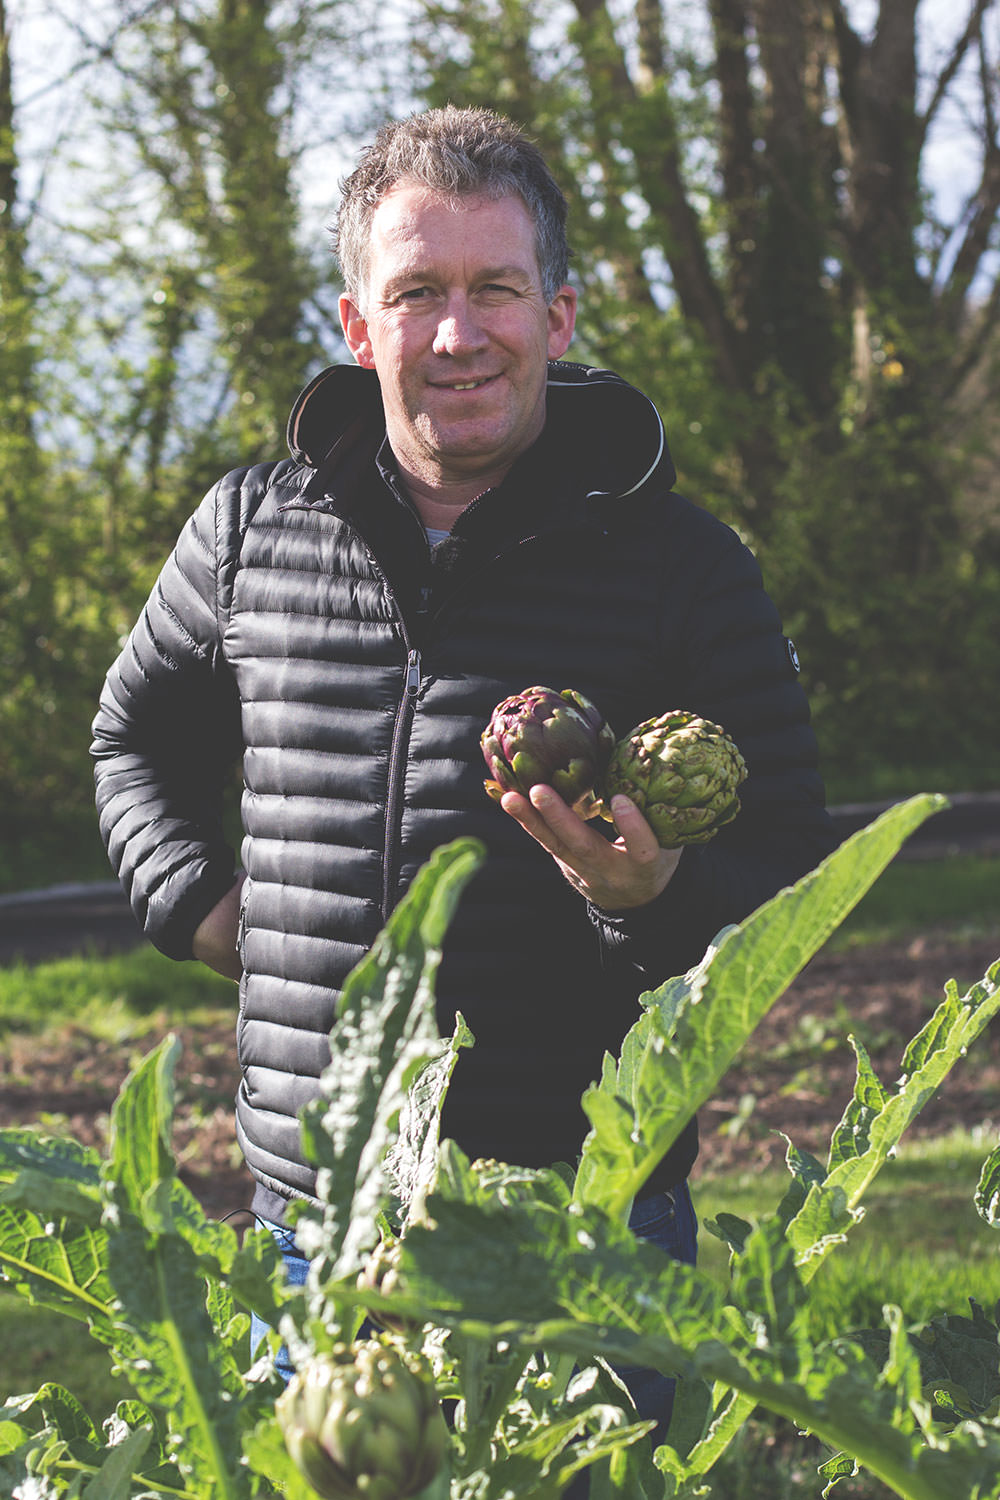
{"type": "Point", "coordinates": [115, 997]}
{"type": "Point", "coordinates": [41, 1345]}
{"type": "Point", "coordinates": [920, 1245]}
{"type": "Point", "coordinates": [911, 896]}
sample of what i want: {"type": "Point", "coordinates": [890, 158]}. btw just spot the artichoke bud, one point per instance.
{"type": "Point", "coordinates": [559, 739]}
{"type": "Point", "coordinates": [364, 1423]}
{"type": "Point", "coordinates": [380, 1273]}
{"type": "Point", "coordinates": [682, 773]}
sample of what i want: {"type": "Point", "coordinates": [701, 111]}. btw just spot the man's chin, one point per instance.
{"type": "Point", "coordinates": [472, 445]}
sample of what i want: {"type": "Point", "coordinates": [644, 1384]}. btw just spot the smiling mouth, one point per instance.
{"type": "Point", "coordinates": [465, 385]}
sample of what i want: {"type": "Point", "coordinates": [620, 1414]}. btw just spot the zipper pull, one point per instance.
{"type": "Point", "coordinates": [412, 672]}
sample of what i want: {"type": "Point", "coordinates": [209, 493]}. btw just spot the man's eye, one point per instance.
{"type": "Point", "coordinates": [414, 293]}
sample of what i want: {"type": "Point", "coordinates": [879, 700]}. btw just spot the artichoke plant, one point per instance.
{"type": "Point", "coordinates": [364, 1423]}
{"type": "Point", "coordinates": [682, 773]}
{"type": "Point", "coordinates": [560, 739]}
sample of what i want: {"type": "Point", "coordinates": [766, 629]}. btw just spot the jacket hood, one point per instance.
{"type": "Point", "coordinates": [610, 432]}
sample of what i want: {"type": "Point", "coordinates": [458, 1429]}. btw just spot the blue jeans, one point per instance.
{"type": "Point", "coordinates": [664, 1219]}
{"type": "Point", "coordinates": [296, 1266]}
{"type": "Point", "coordinates": [667, 1220]}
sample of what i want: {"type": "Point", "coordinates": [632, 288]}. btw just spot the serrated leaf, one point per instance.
{"type": "Point", "coordinates": [265, 1451]}
{"type": "Point", "coordinates": [61, 1264]}
{"type": "Point", "coordinates": [169, 1347]}
{"type": "Point", "coordinates": [767, 1289]}
{"type": "Point", "coordinates": [162, 1332]}
{"type": "Point", "coordinates": [987, 1197]}
{"type": "Point", "coordinates": [732, 1230]}
{"type": "Point", "coordinates": [851, 1138]}
{"type": "Point", "coordinates": [59, 1157]}
{"type": "Point", "coordinates": [692, 1028]}
{"type": "Point", "coordinates": [956, 1355]}
{"type": "Point", "coordinates": [841, 1466]}
{"type": "Point", "coordinates": [140, 1160]}
{"type": "Point", "coordinates": [385, 1034]}
{"type": "Point", "coordinates": [831, 1206]}
{"type": "Point", "coordinates": [53, 1406]}
{"type": "Point", "coordinates": [574, 1262]}
{"type": "Point", "coordinates": [113, 1480]}
{"type": "Point", "coordinates": [806, 1171]}
{"type": "Point", "coordinates": [411, 1161]}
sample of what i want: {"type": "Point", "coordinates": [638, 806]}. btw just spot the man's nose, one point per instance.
{"type": "Point", "coordinates": [459, 330]}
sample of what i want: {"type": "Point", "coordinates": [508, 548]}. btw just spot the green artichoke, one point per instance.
{"type": "Point", "coordinates": [560, 739]}
{"type": "Point", "coordinates": [364, 1423]}
{"type": "Point", "coordinates": [682, 773]}
{"type": "Point", "coordinates": [380, 1273]}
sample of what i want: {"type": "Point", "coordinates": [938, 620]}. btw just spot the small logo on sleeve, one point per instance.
{"type": "Point", "coordinates": [793, 655]}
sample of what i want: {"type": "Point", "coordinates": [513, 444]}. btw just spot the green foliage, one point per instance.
{"type": "Point", "coordinates": [920, 1244]}
{"type": "Point", "coordinates": [818, 343]}
{"type": "Point", "coordinates": [121, 1244]}
{"type": "Point", "coordinates": [751, 241]}
{"type": "Point", "coordinates": [155, 324]}
{"type": "Point", "coordinates": [109, 996]}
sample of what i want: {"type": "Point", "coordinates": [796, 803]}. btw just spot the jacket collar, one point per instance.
{"type": "Point", "coordinates": [608, 435]}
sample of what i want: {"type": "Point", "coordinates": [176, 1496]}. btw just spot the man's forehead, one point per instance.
{"type": "Point", "coordinates": [410, 209]}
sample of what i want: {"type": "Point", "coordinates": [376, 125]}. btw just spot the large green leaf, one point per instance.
{"type": "Point", "coordinates": [385, 1035]}
{"type": "Point", "coordinates": [693, 1027]}
{"type": "Point", "coordinates": [164, 1336]}
{"type": "Point", "coordinates": [57, 1263]}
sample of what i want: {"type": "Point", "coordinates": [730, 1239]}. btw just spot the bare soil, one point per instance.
{"type": "Point", "coordinates": [796, 1075]}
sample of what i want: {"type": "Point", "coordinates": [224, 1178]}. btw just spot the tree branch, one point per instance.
{"type": "Point", "coordinates": [981, 214]}
{"type": "Point", "coordinates": [737, 156]}
{"type": "Point", "coordinates": [946, 77]}
{"type": "Point", "coordinates": [652, 138]}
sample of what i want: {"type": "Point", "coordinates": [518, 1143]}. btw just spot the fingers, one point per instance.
{"type": "Point", "coordinates": [636, 834]}
{"type": "Point", "coordinates": [547, 818]}
{"type": "Point", "coordinates": [630, 871]}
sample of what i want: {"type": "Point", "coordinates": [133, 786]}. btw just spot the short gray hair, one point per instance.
{"type": "Point", "coordinates": [456, 152]}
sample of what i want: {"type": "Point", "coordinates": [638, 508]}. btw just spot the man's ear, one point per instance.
{"type": "Point", "coordinates": [355, 328]}
{"type": "Point", "coordinates": [561, 321]}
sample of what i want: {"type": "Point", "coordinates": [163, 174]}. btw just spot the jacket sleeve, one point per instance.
{"type": "Point", "coordinates": [739, 671]}
{"type": "Point", "coordinates": [167, 734]}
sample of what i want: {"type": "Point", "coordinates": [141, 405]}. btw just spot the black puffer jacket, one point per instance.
{"type": "Point", "coordinates": [302, 619]}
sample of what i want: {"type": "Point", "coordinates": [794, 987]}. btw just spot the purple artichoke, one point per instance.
{"type": "Point", "coordinates": [682, 773]}
{"type": "Point", "coordinates": [559, 739]}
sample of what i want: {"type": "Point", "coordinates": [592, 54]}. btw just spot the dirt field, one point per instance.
{"type": "Point", "coordinates": [796, 1075]}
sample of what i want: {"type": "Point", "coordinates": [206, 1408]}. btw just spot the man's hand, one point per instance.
{"type": "Point", "coordinates": [214, 941]}
{"type": "Point", "coordinates": [630, 872]}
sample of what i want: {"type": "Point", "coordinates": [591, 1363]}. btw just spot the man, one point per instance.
{"type": "Point", "coordinates": [461, 517]}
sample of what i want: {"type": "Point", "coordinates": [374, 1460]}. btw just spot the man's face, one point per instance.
{"type": "Point", "coordinates": [457, 328]}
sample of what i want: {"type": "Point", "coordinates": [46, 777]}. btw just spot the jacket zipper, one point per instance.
{"type": "Point", "coordinates": [396, 776]}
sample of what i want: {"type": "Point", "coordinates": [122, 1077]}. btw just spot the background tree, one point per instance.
{"type": "Point", "coordinates": [185, 315]}
{"type": "Point", "coordinates": [45, 619]}
{"type": "Point", "coordinates": [758, 249]}
{"type": "Point", "coordinates": [756, 242]}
